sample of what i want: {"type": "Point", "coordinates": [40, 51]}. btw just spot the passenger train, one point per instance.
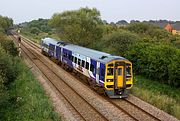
{"type": "Point", "coordinates": [111, 73]}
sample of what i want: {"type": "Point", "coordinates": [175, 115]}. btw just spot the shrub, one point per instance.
{"type": "Point", "coordinates": [7, 67]}
{"type": "Point", "coordinates": [9, 46]}
{"type": "Point", "coordinates": [119, 41]}
{"type": "Point", "coordinates": [158, 62]}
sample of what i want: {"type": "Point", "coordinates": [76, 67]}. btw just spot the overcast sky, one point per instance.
{"type": "Point", "coordinates": [111, 10]}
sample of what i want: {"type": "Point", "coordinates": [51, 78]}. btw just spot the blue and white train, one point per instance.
{"type": "Point", "coordinates": [111, 73]}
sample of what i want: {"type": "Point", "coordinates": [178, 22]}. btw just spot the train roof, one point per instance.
{"type": "Point", "coordinates": [93, 54]}
{"type": "Point", "coordinates": [50, 40]}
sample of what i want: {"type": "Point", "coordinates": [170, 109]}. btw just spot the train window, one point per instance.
{"type": "Point", "coordinates": [92, 67]}
{"type": "Point", "coordinates": [83, 63]}
{"type": "Point", "coordinates": [79, 61]}
{"type": "Point", "coordinates": [87, 65]}
{"type": "Point", "coordinates": [119, 71]}
{"type": "Point", "coordinates": [75, 60]}
{"type": "Point", "coordinates": [64, 55]}
{"type": "Point", "coordinates": [51, 47]}
{"type": "Point", "coordinates": [72, 58]}
{"type": "Point", "coordinates": [110, 71]}
{"type": "Point", "coordinates": [103, 72]}
{"type": "Point", "coordinates": [69, 56]}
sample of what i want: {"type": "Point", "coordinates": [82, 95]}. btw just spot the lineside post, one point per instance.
{"type": "Point", "coordinates": [19, 46]}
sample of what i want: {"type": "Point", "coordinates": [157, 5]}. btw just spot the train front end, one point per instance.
{"type": "Point", "coordinates": [119, 78]}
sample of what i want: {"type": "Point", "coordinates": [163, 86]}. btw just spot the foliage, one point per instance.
{"type": "Point", "coordinates": [38, 25]}
{"type": "Point", "coordinates": [81, 26]}
{"type": "Point", "coordinates": [158, 62]}
{"type": "Point", "coordinates": [119, 41]}
{"type": "Point", "coordinates": [7, 67]}
{"type": "Point", "coordinates": [5, 23]}
{"type": "Point", "coordinates": [8, 45]}
{"type": "Point", "coordinates": [34, 30]}
{"type": "Point", "coordinates": [151, 33]}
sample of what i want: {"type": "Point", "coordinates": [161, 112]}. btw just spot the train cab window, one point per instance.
{"type": "Point", "coordinates": [45, 45]}
{"type": "Point", "coordinates": [110, 71]}
{"type": "Point", "coordinates": [92, 67]}
{"type": "Point", "coordinates": [87, 65]}
{"type": "Point", "coordinates": [119, 71]}
{"type": "Point", "coordinates": [75, 60]}
{"type": "Point", "coordinates": [83, 63]}
{"type": "Point", "coordinates": [128, 71]}
{"type": "Point", "coordinates": [79, 61]}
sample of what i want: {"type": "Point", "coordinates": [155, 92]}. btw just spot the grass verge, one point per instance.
{"type": "Point", "coordinates": [160, 95]}
{"type": "Point", "coordinates": [25, 99]}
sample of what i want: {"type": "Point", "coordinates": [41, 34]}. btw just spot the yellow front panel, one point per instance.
{"type": "Point", "coordinates": [119, 76]}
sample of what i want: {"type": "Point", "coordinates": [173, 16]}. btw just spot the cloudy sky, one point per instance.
{"type": "Point", "coordinates": [111, 10]}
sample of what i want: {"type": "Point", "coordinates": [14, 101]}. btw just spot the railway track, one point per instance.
{"type": "Point", "coordinates": [133, 111]}
{"type": "Point", "coordinates": [80, 105]}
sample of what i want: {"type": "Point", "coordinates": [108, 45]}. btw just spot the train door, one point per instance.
{"type": "Point", "coordinates": [93, 67]}
{"type": "Point", "coordinates": [58, 52]}
{"type": "Point", "coordinates": [102, 73]}
{"type": "Point", "coordinates": [119, 77]}
{"type": "Point", "coordinates": [97, 72]}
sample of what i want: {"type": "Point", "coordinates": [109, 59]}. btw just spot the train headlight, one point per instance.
{"type": "Point", "coordinates": [109, 80]}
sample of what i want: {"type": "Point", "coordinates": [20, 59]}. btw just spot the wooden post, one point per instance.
{"type": "Point", "coordinates": [19, 43]}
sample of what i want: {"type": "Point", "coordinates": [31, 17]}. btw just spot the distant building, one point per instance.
{"type": "Point", "coordinates": [168, 27]}
{"type": "Point", "coordinates": [173, 28]}
{"type": "Point", "coordinates": [176, 28]}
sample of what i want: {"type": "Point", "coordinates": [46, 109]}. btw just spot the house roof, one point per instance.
{"type": "Point", "coordinates": [169, 27]}
{"type": "Point", "coordinates": [176, 26]}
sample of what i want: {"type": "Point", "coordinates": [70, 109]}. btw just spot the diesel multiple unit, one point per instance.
{"type": "Point", "coordinates": [111, 73]}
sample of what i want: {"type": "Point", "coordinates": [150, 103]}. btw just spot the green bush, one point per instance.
{"type": "Point", "coordinates": [7, 67]}
{"type": "Point", "coordinates": [34, 30]}
{"type": "Point", "coordinates": [9, 46]}
{"type": "Point", "coordinates": [119, 41]}
{"type": "Point", "coordinates": [158, 62]}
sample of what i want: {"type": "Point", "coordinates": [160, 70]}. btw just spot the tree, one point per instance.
{"type": "Point", "coordinates": [40, 24]}
{"type": "Point", "coordinates": [34, 30]}
{"type": "Point", "coordinates": [119, 41]}
{"type": "Point", "coordinates": [82, 27]}
{"type": "Point", "coordinates": [5, 23]}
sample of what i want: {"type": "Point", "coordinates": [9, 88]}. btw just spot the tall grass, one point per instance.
{"type": "Point", "coordinates": [160, 95]}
